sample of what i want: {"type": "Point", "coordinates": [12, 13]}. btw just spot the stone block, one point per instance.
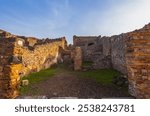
{"type": "Point", "coordinates": [25, 82]}
{"type": "Point", "coordinates": [78, 59]}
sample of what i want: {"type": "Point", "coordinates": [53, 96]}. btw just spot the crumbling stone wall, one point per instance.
{"type": "Point", "coordinates": [31, 41]}
{"type": "Point", "coordinates": [42, 56]}
{"type": "Point", "coordinates": [9, 72]}
{"type": "Point", "coordinates": [102, 55]}
{"type": "Point", "coordinates": [138, 62]}
{"type": "Point", "coordinates": [105, 52]}
{"type": "Point", "coordinates": [20, 56]}
{"type": "Point", "coordinates": [95, 49]}
{"type": "Point", "coordinates": [118, 52]}
{"type": "Point", "coordinates": [128, 53]}
{"type": "Point", "coordinates": [88, 45]}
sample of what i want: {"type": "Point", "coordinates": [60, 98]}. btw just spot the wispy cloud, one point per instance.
{"type": "Point", "coordinates": [55, 18]}
{"type": "Point", "coordinates": [120, 18]}
{"type": "Point", "coordinates": [41, 21]}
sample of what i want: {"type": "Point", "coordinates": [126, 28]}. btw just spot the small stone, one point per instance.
{"type": "Point", "coordinates": [120, 80]}
{"type": "Point", "coordinates": [25, 82]}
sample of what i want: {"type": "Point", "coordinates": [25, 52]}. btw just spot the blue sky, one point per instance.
{"type": "Point", "coordinates": [57, 18]}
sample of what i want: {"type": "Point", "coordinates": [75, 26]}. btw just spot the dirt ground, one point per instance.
{"type": "Point", "coordinates": [67, 84]}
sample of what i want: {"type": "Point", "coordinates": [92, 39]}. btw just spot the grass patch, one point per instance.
{"type": "Point", "coordinates": [29, 90]}
{"type": "Point", "coordinates": [104, 76]}
{"type": "Point", "coordinates": [40, 76]}
{"type": "Point", "coordinates": [35, 78]}
{"type": "Point", "coordinates": [23, 90]}
{"type": "Point", "coordinates": [87, 63]}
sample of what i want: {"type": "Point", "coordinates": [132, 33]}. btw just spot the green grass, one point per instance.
{"type": "Point", "coordinates": [40, 76]}
{"type": "Point", "coordinates": [35, 78]}
{"type": "Point", "coordinates": [87, 63]}
{"type": "Point", "coordinates": [103, 76]}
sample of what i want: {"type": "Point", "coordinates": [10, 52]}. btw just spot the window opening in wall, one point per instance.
{"type": "Point", "coordinates": [90, 44]}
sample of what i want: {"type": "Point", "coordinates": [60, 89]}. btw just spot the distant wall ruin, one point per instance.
{"type": "Point", "coordinates": [128, 53]}
{"type": "Point", "coordinates": [104, 52]}
{"type": "Point", "coordinates": [94, 49]}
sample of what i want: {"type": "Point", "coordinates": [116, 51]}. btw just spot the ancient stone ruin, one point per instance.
{"type": "Point", "coordinates": [20, 56]}
{"type": "Point", "coordinates": [128, 53]}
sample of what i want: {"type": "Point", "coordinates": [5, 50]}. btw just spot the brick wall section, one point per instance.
{"type": "Point", "coordinates": [138, 62]}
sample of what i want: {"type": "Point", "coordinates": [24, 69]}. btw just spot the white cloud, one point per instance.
{"type": "Point", "coordinates": [60, 19]}
{"type": "Point", "coordinates": [47, 22]}
{"type": "Point", "coordinates": [121, 18]}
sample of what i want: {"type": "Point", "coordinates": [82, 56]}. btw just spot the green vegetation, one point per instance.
{"type": "Point", "coordinates": [35, 78]}
{"type": "Point", "coordinates": [43, 75]}
{"type": "Point", "coordinates": [104, 76]}
{"type": "Point", "coordinates": [40, 76]}
{"type": "Point", "coordinates": [87, 63]}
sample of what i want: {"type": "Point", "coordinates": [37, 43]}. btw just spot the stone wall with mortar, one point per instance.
{"type": "Point", "coordinates": [104, 52]}
{"type": "Point", "coordinates": [95, 49]}
{"type": "Point", "coordinates": [138, 62]}
{"type": "Point", "coordinates": [118, 52]}
{"type": "Point", "coordinates": [102, 55]}
{"type": "Point", "coordinates": [88, 45]}
{"type": "Point", "coordinates": [20, 56]}
{"type": "Point", "coordinates": [9, 72]}
{"type": "Point", "coordinates": [41, 56]}
{"type": "Point", "coordinates": [128, 53]}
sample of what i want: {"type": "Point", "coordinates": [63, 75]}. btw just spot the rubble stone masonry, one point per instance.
{"type": "Point", "coordinates": [138, 62]}
{"type": "Point", "coordinates": [118, 52]}
{"type": "Point", "coordinates": [20, 56]}
{"type": "Point", "coordinates": [128, 53]}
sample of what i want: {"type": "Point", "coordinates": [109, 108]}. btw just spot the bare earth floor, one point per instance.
{"type": "Point", "coordinates": [68, 84]}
